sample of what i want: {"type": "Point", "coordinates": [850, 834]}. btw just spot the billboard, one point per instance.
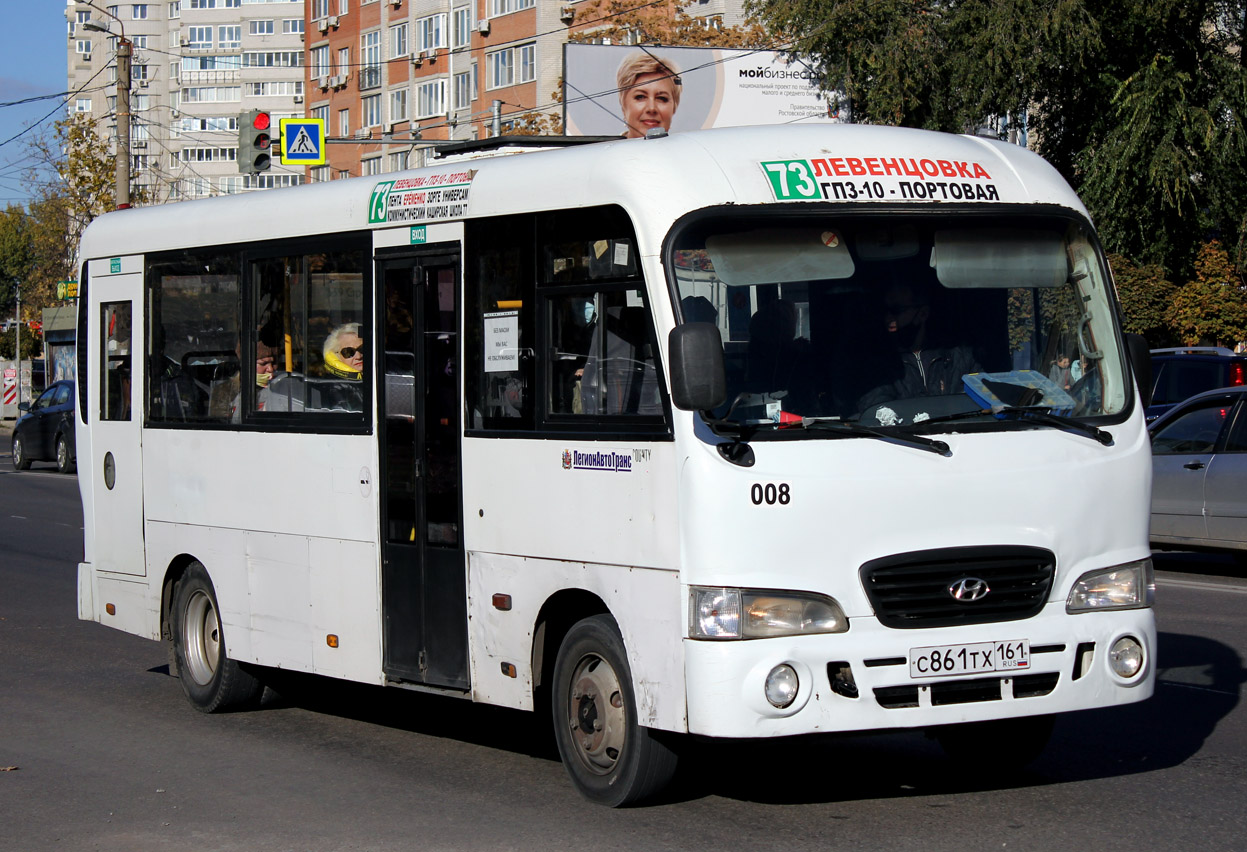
{"type": "Point", "coordinates": [717, 87]}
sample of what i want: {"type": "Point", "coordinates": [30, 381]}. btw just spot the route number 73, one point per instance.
{"type": "Point", "coordinates": [791, 179]}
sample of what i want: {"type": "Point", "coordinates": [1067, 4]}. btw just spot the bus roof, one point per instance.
{"type": "Point", "coordinates": [663, 178]}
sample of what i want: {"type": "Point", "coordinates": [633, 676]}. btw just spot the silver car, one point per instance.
{"type": "Point", "coordinates": [1199, 473]}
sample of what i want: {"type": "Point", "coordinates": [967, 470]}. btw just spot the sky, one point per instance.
{"type": "Point", "coordinates": [32, 65]}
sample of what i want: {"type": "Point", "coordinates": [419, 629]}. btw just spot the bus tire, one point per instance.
{"type": "Point", "coordinates": [64, 461]}
{"type": "Point", "coordinates": [998, 745]}
{"type": "Point", "coordinates": [212, 681]}
{"type": "Point", "coordinates": [610, 759]}
{"type": "Point", "coordinates": [21, 461]}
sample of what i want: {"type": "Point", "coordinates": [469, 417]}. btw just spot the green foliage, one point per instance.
{"type": "Point", "coordinates": [32, 344]}
{"type": "Point", "coordinates": [1211, 309]}
{"type": "Point", "coordinates": [16, 253]}
{"type": "Point", "coordinates": [1146, 297]}
{"type": "Point", "coordinates": [932, 63]}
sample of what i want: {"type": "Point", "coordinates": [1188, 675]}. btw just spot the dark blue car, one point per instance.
{"type": "Point", "coordinates": [45, 430]}
{"type": "Point", "coordinates": [1179, 374]}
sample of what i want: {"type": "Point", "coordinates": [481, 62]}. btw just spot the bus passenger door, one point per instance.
{"type": "Point", "coordinates": [115, 415]}
{"type": "Point", "coordinates": [424, 577]}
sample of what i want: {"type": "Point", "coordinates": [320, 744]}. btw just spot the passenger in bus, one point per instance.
{"type": "Point", "coordinates": [649, 93]}
{"type": "Point", "coordinates": [927, 366]}
{"type": "Point", "coordinates": [344, 352]}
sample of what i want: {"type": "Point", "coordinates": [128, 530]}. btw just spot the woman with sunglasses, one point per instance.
{"type": "Point", "coordinates": [344, 352]}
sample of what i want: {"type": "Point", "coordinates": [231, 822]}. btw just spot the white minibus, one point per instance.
{"type": "Point", "coordinates": [742, 433]}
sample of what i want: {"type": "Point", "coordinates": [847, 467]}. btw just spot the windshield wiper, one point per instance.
{"type": "Point", "coordinates": [1034, 414]}
{"type": "Point", "coordinates": [847, 427]}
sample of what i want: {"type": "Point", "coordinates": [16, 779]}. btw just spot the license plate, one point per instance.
{"type": "Point", "coordinates": [951, 660]}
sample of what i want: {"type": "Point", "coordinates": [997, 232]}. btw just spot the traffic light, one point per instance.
{"type": "Point", "coordinates": [255, 142]}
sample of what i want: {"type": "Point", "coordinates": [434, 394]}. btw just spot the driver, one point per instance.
{"type": "Point", "coordinates": [925, 369]}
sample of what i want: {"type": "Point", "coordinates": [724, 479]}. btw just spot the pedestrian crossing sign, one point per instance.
{"type": "Point", "coordinates": [302, 141]}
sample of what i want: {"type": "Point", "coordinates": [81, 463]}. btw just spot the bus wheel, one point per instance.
{"type": "Point", "coordinates": [999, 745]}
{"type": "Point", "coordinates": [611, 759]}
{"type": "Point", "coordinates": [20, 460]}
{"type": "Point", "coordinates": [64, 463]}
{"type": "Point", "coordinates": [212, 682]}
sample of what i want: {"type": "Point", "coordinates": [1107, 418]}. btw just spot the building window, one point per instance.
{"type": "Point", "coordinates": [511, 66]}
{"type": "Point", "coordinates": [431, 32]}
{"type": "Point", "coordinates": [320, 174]}
{"type": "Point", "coordinates": [505, 7]}
{"type": "Point", "coordinates": [431, 99]}
{"type": "Point", "coordinates": [230, 185]}
{"type": "Point", "coordinates": [321, 112]}
{"type": "Point", "coordinates": [465, 89]}
{"type": "Point", "coordinates": [398, 105]}
{"type": "Point", "coordinates": [371, 107]}
{"type": "Point", "coordinates": [462, 26]}
{"type": "Point", "coordinates": [398, 161]}
{"type": "Point", "coordinates": [320, 8]}
{"type": "Point", "coordinates": [230, 38]}
{"type": "Point", "coordinates": [292, 25]}
{"type": "Point", "coordinates": [175, 10]}
{"type": "Point", "coordinates": [398, 41]}
{"type": "Point", "coordinates": [139, 11]}
{"type": "Point", "coordinates": [370, 60]}
{"type": "Point", "coordinates": [370, 166]}
{"type": "Point", "coordinates": [199, 38]}
{"type": "Point", "coordinates": [344, 122]}
{"type": "Point", "coordinates": [82, 105]}
{"type": "Point", "coordinates": [83, 47]}
{"type": "Point", "coordinates": [260, 28]}
{"type": "Point", "coordinates": [319, 57]}
{"type": "Point", "coordinates": [272, 58]}
{"type": "Point", "coordinates": [344, 61]}
{"type": "Point", "coordinates": [139, 42]}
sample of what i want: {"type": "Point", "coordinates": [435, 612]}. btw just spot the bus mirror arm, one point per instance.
{"type": "Point", "coordinates": [698, 379]}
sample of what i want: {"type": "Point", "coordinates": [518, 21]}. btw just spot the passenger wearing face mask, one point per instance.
{"type": "Point", "coordinates": [926, 367]}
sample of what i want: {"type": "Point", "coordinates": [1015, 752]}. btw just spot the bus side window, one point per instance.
{"type": "Point", "coordinates": [193, 362]}
{"type": "Point", "coordinates": [499, 323]}
{"type": "Point", "coordinates": [115, 361]}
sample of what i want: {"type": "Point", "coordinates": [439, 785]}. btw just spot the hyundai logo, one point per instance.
{"type": "Point", "coordinates": [969, 589]}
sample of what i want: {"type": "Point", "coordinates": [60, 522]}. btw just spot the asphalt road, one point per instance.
{"type": "Point", "coordinates": [99, 750]}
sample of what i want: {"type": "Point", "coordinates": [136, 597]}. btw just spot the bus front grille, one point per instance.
{"type": "Point", "coordinates": [966, 691]}
{"type": "Point", "coordinates": [920, 589]}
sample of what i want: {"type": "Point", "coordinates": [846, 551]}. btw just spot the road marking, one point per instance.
{"type": "Point", "coordinates": [1205, 587]}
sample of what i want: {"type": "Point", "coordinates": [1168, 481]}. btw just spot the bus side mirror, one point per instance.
{"type": "Point", "coordinates": [1141, 365]}
{"type": "Point", "coordinates": [698, 381]}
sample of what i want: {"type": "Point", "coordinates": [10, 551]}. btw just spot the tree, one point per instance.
{"type": "Point", "coordinates": [1146, 296]}
{"type": "Point", "coordinates": [15, 256]}
{"type": "Point", "coordinates": [1212, 308]}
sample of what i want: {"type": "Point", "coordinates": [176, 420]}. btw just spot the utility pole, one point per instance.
{"type": "Point", "coordinates": [17, 348]}
{"type": "Point", "coordinates": [125, 50]}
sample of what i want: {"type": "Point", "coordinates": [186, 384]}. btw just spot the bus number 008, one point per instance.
{"type": "Point", "coordinates": [770, 494]}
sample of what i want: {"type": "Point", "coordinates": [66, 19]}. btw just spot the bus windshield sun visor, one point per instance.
{"type": "Point", "coordinates": [986, 257]}
{"type": "Point", "coordinates": [779, 255]}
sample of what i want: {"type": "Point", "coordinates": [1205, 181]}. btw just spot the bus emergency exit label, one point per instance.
{"type": "Point", "coordinates": [879, 179]}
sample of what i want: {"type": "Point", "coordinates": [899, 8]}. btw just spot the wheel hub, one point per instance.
{"type": "Point", "coordinates": [597, 718]}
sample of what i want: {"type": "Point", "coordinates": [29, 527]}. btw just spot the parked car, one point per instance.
{"type": "Point", "coordinates": [45, 430]}
{"type": "Point", "coordinates": [1179, 374]}
{"type": "Point", "coordinates": [1199, 473]}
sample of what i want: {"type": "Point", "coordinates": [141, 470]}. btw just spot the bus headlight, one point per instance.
{"type": "Point", "coordinates": [716, 613]}
{"type": "Point", "coordinates": [1129, 586]}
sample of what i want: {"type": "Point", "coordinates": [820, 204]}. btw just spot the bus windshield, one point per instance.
{"type": "Point", "coordinates": [899, 320]}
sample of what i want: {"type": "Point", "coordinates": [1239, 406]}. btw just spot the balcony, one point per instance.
{"type": "Point", "coordinates": [369, 77]}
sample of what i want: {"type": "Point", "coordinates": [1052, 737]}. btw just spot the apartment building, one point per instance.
{"type": "Point", "coordinates": [197, 66]}
{"type": "Point", "coordinates": [392, 78]}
